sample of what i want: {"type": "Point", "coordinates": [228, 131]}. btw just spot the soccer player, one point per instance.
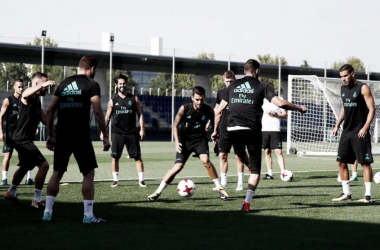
{"type": "Point", "coordinates": [30, 114]}
{"type": "Point", "coordinates": [224, 143]}
{"type": "Point", "coordinates": [245, 99]}
{"type": "Point", "coordinates": [272, 116]}
{"type": "Point", "coordinates": [123, 108]}
{"type": "Point", "coordinates": [10, 109]}
{"type": "Point", "coordinates": [73, 99]}
{"type": "Point", "coordinates": [192, 137]}
{"type": "Point", "coordinates": [357, 112]}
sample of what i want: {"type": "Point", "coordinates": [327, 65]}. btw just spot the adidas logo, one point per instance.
{"type": "Point", "coordinates": [71, 89]}
{"type": "Point", "coordinates": [117, 104]}
{"type": "Point", "coordinates": [244, 88]}
{"type": "Point", "coordinates": [189, 117]}
{"type": "Point", "coordinates": [14, 105]}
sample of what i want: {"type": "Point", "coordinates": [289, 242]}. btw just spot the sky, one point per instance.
{"type": "Point", "coordinates": [319, 31]}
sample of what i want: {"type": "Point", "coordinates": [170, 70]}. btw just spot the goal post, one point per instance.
{"type": "Point", "coordinates": [310, 133]}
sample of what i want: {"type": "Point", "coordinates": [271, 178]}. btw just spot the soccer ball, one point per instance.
{"type": "Point", "coordinates": [338, 178]}
{"type": "Point", "coordinates": [186, 188]}
{"type": "Point", "coordinates": [287, 175]}
{"type": "Point", "coordinates": [376, 178]}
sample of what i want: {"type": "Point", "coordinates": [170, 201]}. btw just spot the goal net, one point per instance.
{"type": "Point", "coordinates": [310, 133]}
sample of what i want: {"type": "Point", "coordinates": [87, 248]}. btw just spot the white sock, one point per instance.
{"type": "Point", "coordinates": [37, 195]}
{"type": "Point", "coordinates": [223, 179]}
{"type": "Point", "coordinates": [88, 208]}
{"type": "Point", "coordinates": [216, 182]}
{"type": "Point", "coordinates": [115, 176]}
{"type": "Point", "coordinates": [141, 176]}
{"type": "Point", "coordinates": [13, 190]}
{"type": "Point", "coordinates": [270, 172]}
{"type": "Point", "coordinates": [240, 178]}
{"type": "Point", "coordinates": [354, 174]}
{"type": "Point", "coordinates": [162, 186]}
{"type": "Point", "coordinates": [49, 204]}
{"type": "Point", "coordinates": [249, 196]}
{"type": "Point", "coordinates": [368, 188]}
{"type": "Point", "coordinates": [346, 187]}
{"type": "Point", "coordinates": [29, 175]}
{"type": "Point", "coordinates": [5, 173]}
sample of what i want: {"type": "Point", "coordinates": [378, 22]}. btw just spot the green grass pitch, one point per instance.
{"type": "Point", "coordinates": [286, 215]}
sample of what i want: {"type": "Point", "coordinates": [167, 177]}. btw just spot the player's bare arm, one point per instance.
{"type": "Point", "coordinates": [141, 118]}
{"type": "Point", "coordinates": [217, 117]}
{"type": "Point", "coordinates": [287, 105]}
{"type": "Point", "coordinates": [4, 108]}
{"type": "Point", "coordinates": [29, 92]}
{"type": "Point", "coordinates": [99, 117]}
{"type": "Point", "coordinates": [109, 112]}
{"type": "Point", "coordinates": [366, 92]}
{"type": "Point", "coordinates": [338, 122]}
{"type": "Point", "coordinates": [177, 120]}
{"type": "Point", "coordinates": [53, 105]}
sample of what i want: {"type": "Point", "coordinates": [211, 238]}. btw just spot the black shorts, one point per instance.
{"type": "Point", "coordinates": [8, 144]}
{"type": "Point", "coordinates": [242, 139]}
{"type": "Point", "coordinates": [197, 146]}
{"type": "Point", "coordinates": [351, 148]}
{"type": "Point", "coordinates": [29, 155]}
{"type": "Point", "coordinates": [131, 142]}
{"type": "Point", "coordinates": [224, 143]}
{"type": "Point", "coordinates": [82, 150]}
{"type": "Point", "coordinates": [272, 140]}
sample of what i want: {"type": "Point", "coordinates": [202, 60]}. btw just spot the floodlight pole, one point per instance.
{"type": "Point", "coordinates": [229, 61]}
{"type": "Point", "coordinates": [173, 92]}
{"type": "Point", "coordinates": [43, 35]}
{"type": "Point", "coordinates": [279, 76]}
{"type": "Point", "coordinates": [112, 38]}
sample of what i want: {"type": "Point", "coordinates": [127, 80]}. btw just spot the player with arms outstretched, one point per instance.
{"type": "Point", "coordinates": [193, 118]}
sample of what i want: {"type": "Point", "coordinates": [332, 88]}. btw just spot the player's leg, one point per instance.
{"type": "Point", "coordinates": [134, 151]}
{"type": "Point", "coordinates": [52, 191]}
{"type": "Point", "coordinates": [204, 158]}
{"type": "Point", "coordinates": [118, 142]}
{"type": "Point", "coordinates": [268, 161]}
{"type": "Point", "coordinates": [280, 159]}
{"type": "Point", "coordinates": [362, 148]}
{"type": "Point", "coordinates": [223, 161]}
{"type": "Point", "coordinates": [168, 178]}
{"type": "Point", "coordinates": [140, 170]}
{"type": "Point", "coordinates": [354, 171]}
{"type": "Point", "coordinates": [224, 146]}
{"type": "Point", "coordinates": [253, 141]}
{"type": "Point", "coordinates": [43, 169]}
{"type": "Point", "coordinates": [115, 171]}
{"type": "Point", "coordinates": [345, 155]}
{"type": "Point", "coordinates": [240, 173]}
{"type": "Point", "coordinates": [5, 167]}
{"type": "Point", "coordinates": [266, 137]}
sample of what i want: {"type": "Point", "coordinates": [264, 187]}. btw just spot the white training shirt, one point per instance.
{"type": "Point", "coordinates": [270, 123]}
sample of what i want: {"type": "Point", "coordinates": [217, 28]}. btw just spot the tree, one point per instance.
{"type": "Point", "coordinates": [305, 64]}
{"type": "Point", "coordinates": [354, 61]}
{"type": "Point", "coordinates": [10, 72]}
{"type": "Point", "coordinates": [269, 60]}
{"type": "Point", "coordinates": [185, 81]}
{"type": "Point", "coordinates": [55, 73]}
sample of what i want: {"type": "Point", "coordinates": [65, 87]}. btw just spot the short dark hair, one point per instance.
{"type": "Point", "coordinates": [125, 78]}
{"type": "Point", "coordinates": [251, 65]}
{"type": "Point", "coordinates": [229, 74]}
{"type": "Point", "coordinates": [199, 91]}
{"type": "Point", "coordinates": [347, 67]}
{"type": "Point", "coordinates": [17, 80]}
{"type": "Point", "coordinates": [40, 75]}
{"type": "Point", "coordinates": [86, 62]}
